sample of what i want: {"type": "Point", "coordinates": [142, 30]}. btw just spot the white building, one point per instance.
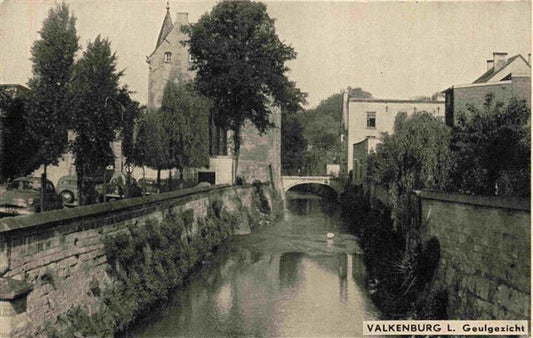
{"type": "Point", "coordinates": [370, 118]}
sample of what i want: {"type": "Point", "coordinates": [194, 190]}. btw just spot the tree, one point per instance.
{"type": "Point", "coordinates": [186, 116]}
{"type": "Point", "coordinates": [240, 64]}
{"type": "Point", "coordinates": [48, 106]}
{"type": "Point", "coordinates": [492, 149]}
{"type": "Point", "coordinates": [416, 156]}
{"type": "Point", "coordinates": [16, 138]}
{"type": "Point", "coordinates": [97, 112]}
{"type": "Point", "coordinates": [322, 130]}
{"type": "Point", "coordinates": [151, 144]}
{"type": "Point", "coordinates": [293, 143]}
{"type": "Point", "coordinates": [130, 114]}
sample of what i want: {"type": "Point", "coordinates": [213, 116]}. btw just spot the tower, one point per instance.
{"type": "Point", "coordinates": [170, 58]}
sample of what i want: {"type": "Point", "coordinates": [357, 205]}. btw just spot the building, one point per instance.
{"type": "Point", "coordinates": [505, 78]}
{"type": "Point", "coordinates": [361, 151]}
{"type": "Point", "coordinates": [365, 120]}
{"type": "Point", "coordinates": [259, 158]}
{"type": "Point", "coordinates": [170, 58]}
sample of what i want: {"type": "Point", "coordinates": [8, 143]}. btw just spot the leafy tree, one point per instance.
{"type": "Point", "coordinates": [151, 144]}
{"type": "Point", "coordinates": [97, 112]}
{"type": "Point", "coordinates": [187, 125]}
{"type": "Point", "coordinates": [240, 64]}
{"type": "Point", "coordinates": [48, 106]}
{"type": "Point", "coordinates": [416, 156]}
{"type": "Point", "coordinates": [492, 147]}
{"type": "Point", "coordinates": [16, 138]}
{"type": "Point", "coordinates": [293, 143]}
{"type": "Point", "coordinates": [322, 130]}
{"type": "Point", "coordinates": [131, 112]}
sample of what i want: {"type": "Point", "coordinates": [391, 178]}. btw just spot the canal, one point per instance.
{"type": "Point", "coordinates": [284, 280]}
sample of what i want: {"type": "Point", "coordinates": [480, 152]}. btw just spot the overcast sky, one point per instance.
{"type": "Point", "coordinates": [391, 49]}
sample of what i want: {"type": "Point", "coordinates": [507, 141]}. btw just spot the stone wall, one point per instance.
{"type": "Point", "coordinates": [61, 253]}
{"type": "Point", "coordinates": [260, 155]}
{"type": "Point", "coordinates": [485, 253]}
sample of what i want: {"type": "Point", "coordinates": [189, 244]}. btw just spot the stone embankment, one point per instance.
{"type": "Point", "coordinates": [92, 270]}
{"type": "Point", "coordinates": [480, 250]}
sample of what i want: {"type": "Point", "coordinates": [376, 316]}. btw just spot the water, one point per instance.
{"type": "Point", "coordinates": [285, 280]}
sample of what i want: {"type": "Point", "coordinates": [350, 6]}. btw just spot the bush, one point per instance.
{"type": "Point", "coordinates": [492, 150]}
{"type": "Point", "coordinates": [400, 279]}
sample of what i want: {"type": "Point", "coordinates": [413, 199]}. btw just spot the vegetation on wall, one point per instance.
{"type": "Point", "coordinates": [147, 262]}
{"type": "Point", "coordinates": [399, 278]}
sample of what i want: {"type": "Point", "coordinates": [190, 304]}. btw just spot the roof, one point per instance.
{"type": "Point", "coordinates": [166, 28]}
{"type": "Point", "coordinates": [490, 73]}
{"type": "Point", "coordinates": [14, 85]}
{"type": "Point", "coordinates": [395, 101]}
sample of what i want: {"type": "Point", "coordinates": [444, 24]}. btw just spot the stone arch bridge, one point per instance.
{"type": "Point", "coordinates": [292, 181]}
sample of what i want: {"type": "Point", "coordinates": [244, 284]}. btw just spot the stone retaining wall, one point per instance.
{"type": "Point", "coordinates": [485, 253]}
{"type": "Point", "coordinates": [48, 261]}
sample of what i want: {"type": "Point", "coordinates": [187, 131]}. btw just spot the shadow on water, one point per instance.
{"type": "Point", "coordinates": [285, 280]}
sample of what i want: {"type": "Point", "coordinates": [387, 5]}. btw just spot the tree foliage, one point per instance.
{"type": "Point", "coordinates": [416, 156]}
{"type": "Point", "coordinates": [322, 130]}
{"type": "Point", "coordinates": [293, 143]}
{"type": "Point", "coordinates": [186, 125]}
{"type": "Point", "coordinates": [151, 144]}
{"type": "Point", "coordinates": [52, 64]}
{"type": "Point", "coordinates": [98, 112]}
{"type": "Point", "coordinates": [16, 138]}
{"type": "Point", "coordinates": [130, 114]}
{"type": "Point", "coordinates": [240, 64]}
{"type": "Point", "coordinates": [492, 148]}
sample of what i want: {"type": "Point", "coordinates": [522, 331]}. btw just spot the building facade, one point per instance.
{"type": "Point", "coordinates": [505, 78]}
{"type": "Point", "coordinates": [170, 58]}
{"type": "Point", "coordinates": [361, 151]}
{"type": "Point", "coordinates": [259, 158]}
{"type": "Point", "coordinates": [369, 118]}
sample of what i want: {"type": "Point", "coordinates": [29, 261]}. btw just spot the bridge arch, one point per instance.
{"type": "Point", "coordinates": [286, 189]}
{"type": "Point", "coordinates": [293, 181]}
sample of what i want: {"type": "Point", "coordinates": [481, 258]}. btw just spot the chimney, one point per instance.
{"type": "Point", "coordinates": [499, 60]}
{"type": "Point", "coordinates": [490, 64]}
{"type": "Point", "coordinates": [182, 19]}
{"type": "Point", "coordinates": [529, 59]}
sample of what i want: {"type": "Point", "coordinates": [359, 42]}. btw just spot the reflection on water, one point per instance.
{"type": "Point", "coordinates": [286, 280]}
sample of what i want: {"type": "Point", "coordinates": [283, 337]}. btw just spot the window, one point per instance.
{"type": "Point", "coordinates": [371, 120]}
{"type": "Point", "coordinates": [168, 57]}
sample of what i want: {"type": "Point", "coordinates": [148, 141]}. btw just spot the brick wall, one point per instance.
{"type": "Point", "coordinates": [60, 252]}
{"type": "Point", "coordinates": [485, 253]}
{"type": "Point", "coordinates": [503, 91]}
{"type": "Point", "coordinates": [476, 96]}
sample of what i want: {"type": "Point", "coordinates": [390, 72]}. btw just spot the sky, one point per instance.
{"type": "Point", "coordinates": [395, 50]}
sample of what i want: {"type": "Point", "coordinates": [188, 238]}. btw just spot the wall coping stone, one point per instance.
{"type": "Point", "coordinates": [11, 288]}
{"type": "Point", "coordinates": [504, 202]}
{"type": "Point", "coordinates": [10, 224]}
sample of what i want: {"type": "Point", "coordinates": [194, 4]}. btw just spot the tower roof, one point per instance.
{"type": "Point", "coordinates": [166, 28]}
